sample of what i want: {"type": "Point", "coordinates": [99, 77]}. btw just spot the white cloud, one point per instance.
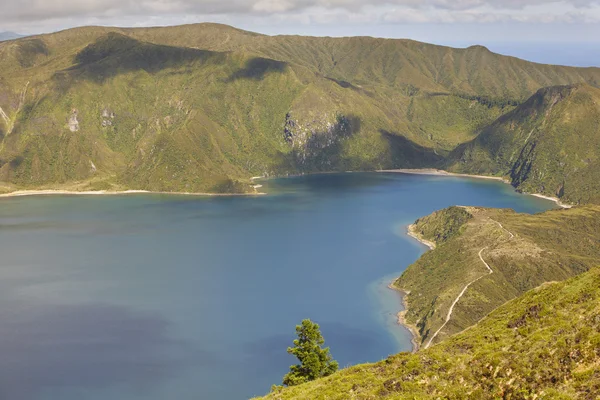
{"type": "Point", "coordinates": [37, 15]}
{"type": "Point", "coordinates": [31, 10]}
{"type": "Point", "coordinates": [488, 16]}
{"type": "Point", "coordinates": [272, 6]}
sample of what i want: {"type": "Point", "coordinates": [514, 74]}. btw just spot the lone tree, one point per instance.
{"type": "Point", "coordinates": [315, 362]}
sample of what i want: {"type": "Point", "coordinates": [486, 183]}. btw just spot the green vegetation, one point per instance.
{"type": "Point", "coordinates": [545, 345]}
{"type": "Point", "coordinates": [547, 145]}
{"type": "Point", "coordinates": [205, 107]}
{"type": "Point", "coordinates": [442, 225]}
{"type": "Point", "coordinates": [523, 251]}
{"type": "Point", "coordinates": [315, 362]}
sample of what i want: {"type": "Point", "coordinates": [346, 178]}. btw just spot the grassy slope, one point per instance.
{"type": "Point", "coordinates": [182, 119]}
{"type": "Point", "coordinates": [384, 62]}
{"type": "Point", "coordinates": [441, 226]}
{"type": "Point", "coordinates": [545, 344]}
{"type": "Point", "coordinates": [546, 247]}
{"type": "Point", "coordinates": [204, 107]}
{"type": "Point", "coordinates": [548, 145]}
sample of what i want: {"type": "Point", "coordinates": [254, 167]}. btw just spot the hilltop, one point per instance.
{"type": "Point", "coordinates": [550, 144]}
{"type": "Point", "coordinates": [205, 107]}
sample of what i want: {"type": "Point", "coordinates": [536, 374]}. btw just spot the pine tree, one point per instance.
{"type": "Point", "coordinates": [315, 362]}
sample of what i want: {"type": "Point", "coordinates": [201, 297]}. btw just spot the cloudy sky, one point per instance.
{"type": "Point", "coordinates": [566, 32]}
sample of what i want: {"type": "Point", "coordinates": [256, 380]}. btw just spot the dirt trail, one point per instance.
{"type": "Point", "coordinates": [458, 298]}
{"type": "Point", "coordinates": [5, 117]}
{"type": "Point", "coordinates": [490, 271]}
{"type": "Point", "coordinates": [504, 229]}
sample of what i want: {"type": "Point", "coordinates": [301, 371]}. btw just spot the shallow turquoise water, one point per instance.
{"type": "Point", "coordinates": [169, 297]}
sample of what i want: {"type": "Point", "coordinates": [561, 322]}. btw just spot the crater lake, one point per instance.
{"type": "Point", "coordinates": [130, 297]}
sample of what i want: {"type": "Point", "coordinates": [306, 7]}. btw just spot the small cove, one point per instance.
{"type": "Point", "coordinates": [159, 296]}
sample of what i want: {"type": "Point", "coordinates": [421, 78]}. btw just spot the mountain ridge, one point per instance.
{"type": "Point", "coordinates": [547, 145]}
{"type": "Point", "coordinates": [318, 105]}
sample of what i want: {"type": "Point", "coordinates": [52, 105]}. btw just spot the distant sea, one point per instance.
{"type": "Point", "coordinates": [571, 54]}
{"type": "Point", "coordinates": [167, 297]}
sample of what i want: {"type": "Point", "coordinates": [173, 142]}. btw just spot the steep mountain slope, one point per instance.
{"type": "Point", "coordinates": [550, 144]}
{"type": "Point", "coordinates": [204, 107]}
{"type": "Point", "coordinates": [545, 344]}
{"type": "Point", "coordinates": [144, 116]}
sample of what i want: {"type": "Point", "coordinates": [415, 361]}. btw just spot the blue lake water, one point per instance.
{"type": "Point", "coordinates": [171, 297]}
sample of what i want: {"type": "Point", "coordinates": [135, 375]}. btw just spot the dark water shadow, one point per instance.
{"type": "Point", "coordinates": [267, 353]}
{"type": "Point", "coordinates": [337, 184]}
{"type": "Point", "coordinates": [272, 351]}
{"type": "Point", "coordinates": [85, 346]}
{"type": "Point", "coordinates": [364, 342]}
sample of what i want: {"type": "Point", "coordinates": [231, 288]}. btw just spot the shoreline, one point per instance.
{"type": "Point", "coordinates": [441, 172]}
{"type": "Point", "coordinates": [401, 318]}
{"type": "Point", "coordinates": [415, 235]}
{"type": "Point", "coordinates": [51, 192]}
{"type": "Point", "coordinates": [421, 171]}
{"type": "Point", "coordinates": [554, 199]}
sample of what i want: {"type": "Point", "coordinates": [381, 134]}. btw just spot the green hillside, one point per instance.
{"type": "Point", "coordinates": [205, 107]}
{"type": "Point", "coordinates": [549, 145]}
{"type": "Point", "coordinates": [544, 345]}
{"type": "Point", "coordinates": [522, 250]}
{"type": "Point", "coordinates": [384, 62]}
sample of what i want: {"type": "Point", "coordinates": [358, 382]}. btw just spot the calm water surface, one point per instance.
{"type": "Point", "coordinates": [168, 297]}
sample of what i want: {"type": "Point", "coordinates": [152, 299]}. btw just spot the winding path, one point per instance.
{"type": "Point", "coordinates": [490, 271]}
{"type": "Point", "coordinates": [4, 116]}
{"type": "Point", "coordinates": [504, 229]}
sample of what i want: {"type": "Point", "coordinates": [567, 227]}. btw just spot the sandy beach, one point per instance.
{"type": "Point", "coordinates": [411, 231]}
{"type": "Point", "coordinates": [50, 192]}
{"type": "Point", "coordinates": [440, 172]}
{"type": "Point", "coordinates": [402, 314]}
{"type": "Point", "coordinates": [554, 199]}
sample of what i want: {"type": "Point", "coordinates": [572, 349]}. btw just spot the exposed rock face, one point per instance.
{"type": "Point", "coordinates": [547, 145]}
{"type": "Point", "coordinates": [107, 117]}
{"type": "Point", "coordinates": [317, 143]}
{"type": "Point", "coordinates": [73, 122]}
{"type": "Point", "coordinates": [6, 119]}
